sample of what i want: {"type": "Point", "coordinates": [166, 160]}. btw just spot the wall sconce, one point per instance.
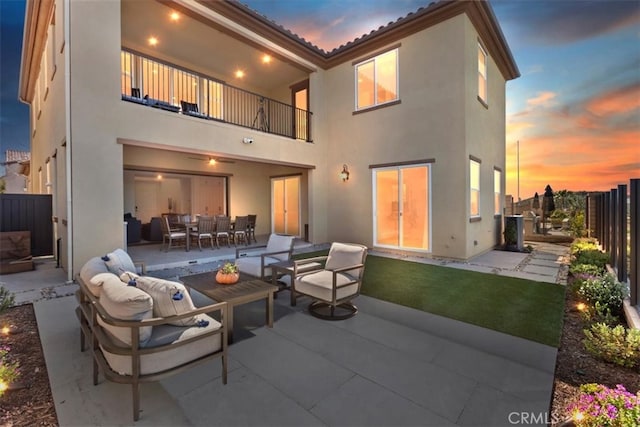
{"type": "Point", "coordinates": [344, 175]}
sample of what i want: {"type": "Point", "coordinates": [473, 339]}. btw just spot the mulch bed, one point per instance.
{"type": "Point", "coordinates": [576, 366]}
{"type": "Point", "coordinates": [29, 402]}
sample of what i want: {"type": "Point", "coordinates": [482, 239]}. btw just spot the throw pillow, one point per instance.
{"type": "Point", "coordinates": [125, 303]}
{"type": "Point", "coordinates": [95, 266]}
{"type": "Point", "coordinates": [169, 298]}
{"type": "Point", "coordinates": [118, 262]}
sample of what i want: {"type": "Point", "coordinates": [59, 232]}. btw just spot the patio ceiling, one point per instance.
{"type": "Point", "coordinates": [202, 47]}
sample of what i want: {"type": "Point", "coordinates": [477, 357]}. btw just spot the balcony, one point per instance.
{"type": "Point", "coordinates": [154, 83]}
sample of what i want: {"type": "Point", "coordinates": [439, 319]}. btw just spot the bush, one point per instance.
{"type": "Point", "coordinates": [6, 299]}
{"type": "Point", "coordinates": [617, 345]}
{"type": "Point", "coordinates": [583, 270]}
{"type": "Point", "coordinates": [599, 405]}
{"type": "Point", "coordinates": [583, 244]}
{"type": "Point", "coordinates": [8, 370]}
{"type": "Point", "coordinates": [605, 290]}
{"type": "Point", "coordinates": [576, 225]}
{"type": "Point", "coordinates": [593, 257]}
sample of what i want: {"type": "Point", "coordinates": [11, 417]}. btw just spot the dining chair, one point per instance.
{"type": "Point", "coordinates": [251, 228]}
{"type": "Point", "coordinates": [170, 234]}
{"type": "Point", "coordinates": [223, 230]}
{"type": "Point", "coordinates": [206, 229]}
{"type": "Point", "coordinates": [240, 230]}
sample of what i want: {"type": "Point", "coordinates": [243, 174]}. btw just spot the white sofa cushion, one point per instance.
{"type": "Point", "coordinates": [278, 243]}
{"type": "Point", "coordinates": [92, 268]}
{"type": "Point", "coordinates": [169, 298]}
{"type": "Point", "coordinates": [320, 285]}
{"type": "Point", "coordinates": [118, 262]}
{"type": "Point", "coordinates": [125, 303]}
{"type": "Point", "coordinates": [158, 362]}
{"type": "Point", "coordinates": [251, 265]}
{"type": "Point", "coordinates": [344, 255]}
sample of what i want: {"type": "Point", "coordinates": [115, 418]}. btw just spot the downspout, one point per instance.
{"type": "Point", "coordinates": [67, 108]}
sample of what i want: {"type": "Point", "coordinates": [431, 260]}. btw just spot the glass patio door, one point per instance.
{"type": "Point", "coordinates": [285, 205]}
{"type": "Point", "coordinates": [401, 207]}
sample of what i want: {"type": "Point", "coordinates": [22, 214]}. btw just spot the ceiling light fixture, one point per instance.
{"type": "Point", "coordinates": [175, 16]}
{"type": "Point", "coordinates": [266, 59]}
{"type": "Point", "coordinates": [239, 74]}
{"type": "Point", "coordinates": [212, 161]}
{"type": "Point", "coordinates": [153, 41]}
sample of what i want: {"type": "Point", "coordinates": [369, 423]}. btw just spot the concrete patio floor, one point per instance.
{"type": "Point", "coordinates": [389, 365]}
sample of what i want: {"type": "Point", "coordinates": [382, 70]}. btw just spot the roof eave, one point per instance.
{"type": "Point", "coordinates": [37, 18]}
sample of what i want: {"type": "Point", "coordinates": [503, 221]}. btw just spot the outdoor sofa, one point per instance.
{"type": "Point", "coordinates": [142, 329]}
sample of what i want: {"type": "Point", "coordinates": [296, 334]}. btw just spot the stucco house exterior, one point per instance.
{"type": "Point", "coordinates": [395, 140]}
{"type": "Point", "coordinates": [16, 171]}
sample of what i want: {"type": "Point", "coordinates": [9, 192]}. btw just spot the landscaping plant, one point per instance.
{"type": "Point", "coordinates": [617, 344]}
{"type": "Point", "coordinates": [8, 370]}
{"type": "Point", "coordinates": [599, 405]}
{"type": "Point", "coordinates": [605, 290]}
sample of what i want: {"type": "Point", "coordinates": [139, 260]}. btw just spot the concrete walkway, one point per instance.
{"type": "Point", "coordinates": [389, 365]}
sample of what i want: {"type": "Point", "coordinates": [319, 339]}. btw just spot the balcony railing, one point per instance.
{"type": "Point", "coordinates": [151, 82]}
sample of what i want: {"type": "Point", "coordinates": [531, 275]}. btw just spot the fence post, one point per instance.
{"type": "Point", "coordinates": [634, 208]}
{"type": "Point", "coordinates": [606, 233]}
{"type": "Point", "coordinates": [622, 233]}
{"type": "Point", "coordinates": [613, 218]}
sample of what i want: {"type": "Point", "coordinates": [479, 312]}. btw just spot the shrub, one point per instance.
{"type": "Point", "coordinates": [583, 244]}
{"type": "Point", "coordinates": [593, 257]}
{"type": "Point", "coordinates": [6, 299]}
{"type": "Point", "coordinates": [576, 225]}
{"type": "Point", "coordinates": [617, 345]}
{"type": "Point", "coordinates": [599, 405]}
{"type": "Point", "coordinates": [8, 370]}
{"type": "Point", "coordinates": [600, 314]}
{"type": "Point", "coordinates": [585, 269]}
{"type": "Point", "coordinates": [605, 290]}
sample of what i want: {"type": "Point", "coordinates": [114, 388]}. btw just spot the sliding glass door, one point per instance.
{"type": "Point", "coordinates": [401, 207]}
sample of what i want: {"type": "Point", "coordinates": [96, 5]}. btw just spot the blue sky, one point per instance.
{"type": "Point", "coordinates": [575, 109]}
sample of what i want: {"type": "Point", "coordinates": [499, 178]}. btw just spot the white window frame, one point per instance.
{"type": "Point", "coordinates": [472, 163]}
{"type": "Point", "coordinates": [497, 191]}
{"type": "Point", "coordinates": [375, 79]}
{"type": "Point", "coordinates": [482, 73]}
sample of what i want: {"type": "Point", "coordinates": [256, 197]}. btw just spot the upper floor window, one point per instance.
{"type": "Point", "coordinates": [474, 187]}
{"type": "Point", "coordinates": [497, 192]}
{"type": "Point", "coordinates": [377, 80]}
{"type": "Point", "coordinates": [482, 74]}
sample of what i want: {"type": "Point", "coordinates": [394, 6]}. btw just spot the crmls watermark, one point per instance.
{"type": "Point", "coordinates": [530, 418]}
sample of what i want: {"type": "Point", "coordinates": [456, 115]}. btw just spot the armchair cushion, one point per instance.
{"type": "Point", "coordinates": [169, 298]}
{"type": "Point", "coordinates": [118, 262]}
{"type": "Point", "coordinates": [279, 243]}
{"type": "Point", "coordinates": [125, 303]}
{"type": "Point", "coordinates": [251, 265]}
{"type": "Point", "coordinates": [320, 285]}
{"type": "Point", "coordinates": [342, 255]}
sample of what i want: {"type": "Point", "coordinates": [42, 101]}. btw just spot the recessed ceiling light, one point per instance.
{"type": "Point", "coordinates": [175, 16]}
{"type": "Point", "coordinates": [159, 176]}
{"type": "Point", "coordinates": [153, 41]}
{"type": "Point", "coordinates": [212, 161]}
{"type": "Point", "coordinates": [266, 59]}
{"type": "Point", "coordinates": [239, 74]}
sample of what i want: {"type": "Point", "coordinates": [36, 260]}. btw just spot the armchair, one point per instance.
{"type": "Point", "coordinates": [333, 286]}
{"type": "Point", "coordinates": [256, 262]}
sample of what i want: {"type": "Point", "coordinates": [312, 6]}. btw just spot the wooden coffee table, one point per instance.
{"type": "Point", "coordinates": [248, 289]}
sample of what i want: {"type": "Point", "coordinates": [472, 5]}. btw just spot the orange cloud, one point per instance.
{"type": "Point", "coordinates": [619, 101]}
{"type": "Point", "coordinates": [543, 99]}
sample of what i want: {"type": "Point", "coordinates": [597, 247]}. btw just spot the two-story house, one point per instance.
{"type": "Point", "coordinates": [395, 140]}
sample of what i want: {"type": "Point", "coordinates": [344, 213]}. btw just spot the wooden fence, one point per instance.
{"type": "Point", "coordinates": [29, 212]}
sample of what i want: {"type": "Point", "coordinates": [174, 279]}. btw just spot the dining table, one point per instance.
{"type": "Point", "coordinates": [188, 228]}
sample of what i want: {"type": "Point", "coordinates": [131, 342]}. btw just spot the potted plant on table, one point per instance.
{"type": "Point", "coordinates": [228, 274]}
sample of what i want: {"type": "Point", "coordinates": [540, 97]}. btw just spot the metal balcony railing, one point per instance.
{"type": "Point", "coordinates": [154, 83]}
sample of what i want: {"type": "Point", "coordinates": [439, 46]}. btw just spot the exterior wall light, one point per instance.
{"type": "Point", "coordinates": [344, 175]}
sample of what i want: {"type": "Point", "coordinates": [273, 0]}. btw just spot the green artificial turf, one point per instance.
{"type": "Point", "coordinates": [523, 308]}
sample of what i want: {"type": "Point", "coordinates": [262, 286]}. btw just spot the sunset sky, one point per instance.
{"type": "Point", "coordinates": [575, 109]}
